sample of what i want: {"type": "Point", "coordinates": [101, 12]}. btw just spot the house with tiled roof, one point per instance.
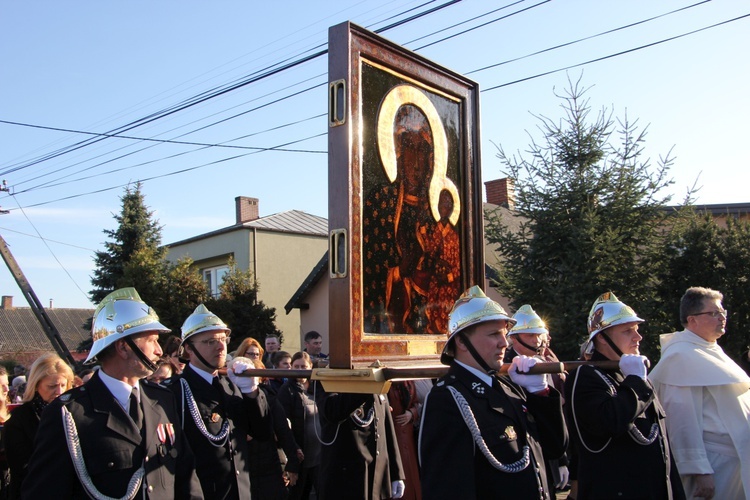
{"type": "Point", "coordinates": [22, 338]}
{"type": "Point", "coordinates": [279, 250]}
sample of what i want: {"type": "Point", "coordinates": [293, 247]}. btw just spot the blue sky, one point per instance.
{"type": "Point", "coordinates": [95, 66]}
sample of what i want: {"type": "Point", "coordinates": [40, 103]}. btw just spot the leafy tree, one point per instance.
{"type": "Point", "coordinates": [135, 259]}
{"type": "Point", "coordinates": [184, 289]}
{"type": "Point", "coordinates": [136, 233]}
{"type": "Point", "coordinates": [239, 307]}
{"type": "Point", "coordinates": [700, 252]}
{"type": "Point", "coordinates": [592, 218]}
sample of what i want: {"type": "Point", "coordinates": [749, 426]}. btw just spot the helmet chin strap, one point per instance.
{"type": "Point", "coordinates": [201, 358]}
{"type": "Point", "coordinates": [611, 344]}
{"type": "Point", "coordinates": [141, 357]}
{"type": "Point", "coordinates": [537, 350]}
{"type": "Point", "coordinates": [475, 354]}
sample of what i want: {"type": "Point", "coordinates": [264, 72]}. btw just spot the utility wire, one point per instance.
{"type": "Point", "coordinates": [549, 49]}
{"type": "Point", "coordinates": [482, 25]}
{"type": "Point", "coordinates": [615, 54]}
{"type": "Point", "coordinates": [580, 64]}
{"type": "Point", "coordinates": [168, 174]}
{"type": "Point", "coordinates": [205, 96]}
{"type": "Point", "coordinates": [49, 248]}
{"type": "Point", "coordinates": [163, 141]}
{"type": "Point", "coordinates": [5, 229]}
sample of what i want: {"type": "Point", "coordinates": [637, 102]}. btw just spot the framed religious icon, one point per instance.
{"type": "Point", "coordinates": [405, 213]}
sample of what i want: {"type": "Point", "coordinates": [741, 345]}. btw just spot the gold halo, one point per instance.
{"type": "Point", "coordinates": [407, 94]}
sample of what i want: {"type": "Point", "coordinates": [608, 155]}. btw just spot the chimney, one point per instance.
{"type": "Point", "coordinates": [7, 302]}
{"type": "Point", "coordinates": [500, 192]}
{"type": "Point", "coordinates": [246, 208]}
{"type": "Point", "coordinates": [51, 303]}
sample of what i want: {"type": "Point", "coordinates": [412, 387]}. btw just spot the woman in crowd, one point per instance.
{"type": "Point", "coordinates": [172, 354]}
{"type": "Point", "coordinates": [164, 370]}
{"type": "Point", "coordinates": [269, 458]}
{"type": "Point", "coordinates": [249, 348]}
{"type": "Point", "coordinates": [49, 377]}
{"type": "Point", "coordinates": [296, 397]}
{"type": "Point", "coordinates": [4, 415]}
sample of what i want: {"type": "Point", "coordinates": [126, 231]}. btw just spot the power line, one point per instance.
{"type": "Point", "coordinates": [549, 49]}
{"type": "Point", "coordinates": [54, 256]}
{"type": "Point", "coordinates": [598, 59]}
{"type": "Point", "coordinates": [212, 94]}
{"type": "Point", "coordinates": [163, 141]}
{"type": "Point", "coordinates": [47, 239]}
{"type": "Point", "coordinates": [506, 84]}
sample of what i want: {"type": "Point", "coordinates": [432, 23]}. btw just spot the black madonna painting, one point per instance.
{"type": "Point", "coordinates": [411, 206]}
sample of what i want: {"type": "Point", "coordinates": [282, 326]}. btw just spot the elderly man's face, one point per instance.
{"type": "Point", "coordinates": [314, 346]}
{"type": "Point", "coordinates": [272, 344]}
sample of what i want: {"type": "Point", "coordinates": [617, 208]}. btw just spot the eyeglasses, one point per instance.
{"type": "Point", "coordinates": [215, 342]}
{"type": "Point", "coordinates": [252, 354]}
{"type": "Point", "coordinates": [714, 314]}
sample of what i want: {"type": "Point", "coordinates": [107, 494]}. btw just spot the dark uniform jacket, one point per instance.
{"type": "Point", "coordinates": [362, 460]}
{"type": "Point", "coordinates": [604, 407]}
{"type": "Point", "coordinates": [18, 439]}
{"type": "Point", "coordinates": [453, 466]}
{"type": "Point", "coordinates": [112, 447]}
{"type": "Point", "coordinates": [223, 470]}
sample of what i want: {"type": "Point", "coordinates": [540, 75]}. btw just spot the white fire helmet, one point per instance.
{"type": "Point", "coordinates": [608, 311]}
{"type": "Point", "coordinates": [120, 314]}
{"type": "Point", "coordinates": [471, 308]}
{"type": "Point", "coordinates": [528, 321]}
{"type": "Point", "coordinates": [202, 320]}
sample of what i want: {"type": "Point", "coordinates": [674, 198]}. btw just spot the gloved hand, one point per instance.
{"type": "Point", "coordinates": [564, 476]}
{"type": "Point", "coordinates": [247, 385]}
{"type": "Point", "coordinates": [633, 364]}
{"type": "Point", "coordinates": [532, 383]}
{"type": "Point", "coordinates": [397, 489]}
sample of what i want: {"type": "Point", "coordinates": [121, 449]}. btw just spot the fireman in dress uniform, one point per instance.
{"type": "Point", "coordinates": [359, 459]}
{"type": "Point", "coordinates": [623, 450]}
{"type": "Point", "coordinates": [483, 436]}
{"type": "Point", "coordinates": [117, 435]}
{"type": "Point", "coordinates": [218, 413]}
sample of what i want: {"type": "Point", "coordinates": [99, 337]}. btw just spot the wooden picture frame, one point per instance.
{"type": "Point", "coordinates": [405, 211]}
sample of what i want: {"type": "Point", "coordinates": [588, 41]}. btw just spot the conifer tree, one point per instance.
{"type": "Point", "coordinates": [592, 217]}
{"type": "Point", "coordinates": [137, 233]}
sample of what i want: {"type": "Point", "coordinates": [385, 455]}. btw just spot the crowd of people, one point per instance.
{"type": "Point", "coordinates": [178, 418]}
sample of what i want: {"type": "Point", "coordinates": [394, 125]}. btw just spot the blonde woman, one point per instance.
{"type": "Point", "coordinates": [49, 377]}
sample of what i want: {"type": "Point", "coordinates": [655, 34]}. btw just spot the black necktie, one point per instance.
{"type": "Point", "coordinates": [135, 409]}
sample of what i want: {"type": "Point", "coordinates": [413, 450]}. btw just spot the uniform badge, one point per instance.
{"type": "Point", "coordinates": [477, 387]}
{"type": "Point", "coordinates": [161, 433]}
{"type": "Point", "coordinates": [170, 432]}
{"type": "Point", "coordinates": [510, 433]}
{"type": "Point", "coordinates": [215, 417]}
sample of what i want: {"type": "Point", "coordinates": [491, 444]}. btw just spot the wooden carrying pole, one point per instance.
{"type": "Point", "coordinates": [377, 380]}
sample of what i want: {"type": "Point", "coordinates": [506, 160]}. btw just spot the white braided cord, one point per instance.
{"type": "Point", "coordinates": [76, 455]}
{"type": "Point", "coordinates": [471, 423]}
{"type": "Point", "coordinates": [219, 439]}
{"type": "Point", "coordinates": [633, 431]}
{"type": "Point", "coordinates": [363, 422]}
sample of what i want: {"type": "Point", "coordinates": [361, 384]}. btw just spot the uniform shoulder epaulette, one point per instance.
{"type": "Point", "coordinates": [154, 385]}
{"type": "Point", "coordinates": [448, 379]}
{"type": "Point", "coordinates": [73, 394]}
{"type": "Point", "coordinates": [168, 382]}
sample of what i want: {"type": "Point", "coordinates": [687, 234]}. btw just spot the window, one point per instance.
{"type": "Point", "coordinates": [214, 276]}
